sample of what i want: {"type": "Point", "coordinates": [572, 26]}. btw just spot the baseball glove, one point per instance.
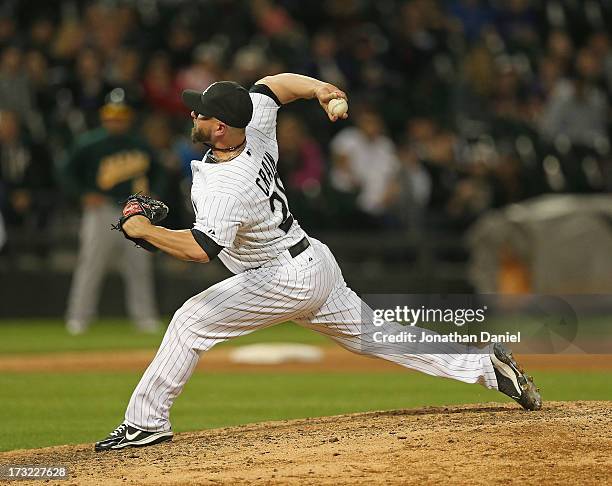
{"type": "Point", "coordinates": [141, 205]}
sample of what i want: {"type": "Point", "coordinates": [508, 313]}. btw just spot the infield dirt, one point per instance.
{"type": "Point", "coordinates": [218, 360]}
{"type": "Point", "coordinates": [565, 442]}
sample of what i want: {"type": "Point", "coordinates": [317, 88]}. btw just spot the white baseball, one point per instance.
{"type": "Point", "coordinates": [338, 106]}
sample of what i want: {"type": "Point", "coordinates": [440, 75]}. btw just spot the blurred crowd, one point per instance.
{"type": "Point", "coordinates": [456, 106]}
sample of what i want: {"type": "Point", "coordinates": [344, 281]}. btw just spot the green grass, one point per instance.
{"type": "Point", "coordinates": [49, 336]}
{"type": "Point", "coordinates": [60, 408]}
{"type": "Point", "coordinates": [42, 409]}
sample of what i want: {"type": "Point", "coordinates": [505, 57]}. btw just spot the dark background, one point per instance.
{"type": "Point", "coordinates": [478, 104]}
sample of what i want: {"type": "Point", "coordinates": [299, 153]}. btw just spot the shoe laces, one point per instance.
{"type": "Point", "coordinates": [119, 430]}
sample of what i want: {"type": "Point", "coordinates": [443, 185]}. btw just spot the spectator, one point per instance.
{"type": "Point", "coordinates": [42, 31]}
{"type": "Point", "coordinates": [514, 110]}
{"type": "Point", "coordinates": [472, 17]}
{"type": "Point", "coordinates": [411, 190]}
{"type": "Point", "coordinates": [578, 108]}
{"type": "Point", "coordinates": [162, 91]}
{"type": "Point", "coordinates": [326, 63]}
{"type": "Point", "coordinates": [125, 72]}
{"type": "Point", "coordinates": [474, 91]}
{"type": "Point", "coordinates": [508, 178]}
{"type": "Point", "coordinates": [157, 131]}
{"type": "Point", "coordinates": [88, 88]}
{"type": "Point", "coordinates": [471, 196]}
{"type": "Point", "coordinates": [273, 20]}
{"type": "Point", "coordinates": [8, 29]}
{"type": "Point", "coordinates": [15, 91]}
{"type": "Point", "coordinates": [560, 48]}
{"type": "Point", "coordinates": [370, 77]}
{"type": "Point", "coordinates": [180, 42]}
{"type": "Point", "coordinates": [301, 168]}
{"type": "Point", "coordinates": [550, 72]}
{"type": "Point", "coordinates": [517, 22]}
{"type": "Point", "coordinates": [104, 167]}
{"type": "Point", "coordinates": [205, 70]}
{"type": "Point", "coordinates": [106, 27]}
{"type": "Point", "coordinates": [419, 36]}
{"type": "Point", "coordinates": [249, 65]}
{"type": "Point", "coordinates": [43, 93]}
{"type": "Point", "coordinates": [435, 151]}
{"type": "Point", "coordinates": [365, 162]}
{"type": "Point", "coordinates": [26, 182]}
{"type": "Point", "coordinates": [69, 41]}
{"type": "Point", "coordinates": [599, 43]}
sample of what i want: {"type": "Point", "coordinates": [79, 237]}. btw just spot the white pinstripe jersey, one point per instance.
{"type": "Point", "coordinates": [241, 204]}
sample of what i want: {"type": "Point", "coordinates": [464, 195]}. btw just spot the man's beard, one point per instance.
{"type": "Point", "coordinates": [200, 136]}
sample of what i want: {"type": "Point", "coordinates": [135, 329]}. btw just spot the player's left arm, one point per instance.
{"type": "Point", "coordinates": [289, 87]}
{"type": "Point", "coordinates": [180, 244]}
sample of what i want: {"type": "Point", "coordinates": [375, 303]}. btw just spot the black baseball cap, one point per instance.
{"type": "Point", "coordinates": [225, 100]}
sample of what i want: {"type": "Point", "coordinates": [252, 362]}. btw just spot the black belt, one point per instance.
{"type": "Point", "coordinates": [299, 247]}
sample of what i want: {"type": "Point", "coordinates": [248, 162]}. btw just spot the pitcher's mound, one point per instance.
{"type": "Point", "coordinates": [566, 442]}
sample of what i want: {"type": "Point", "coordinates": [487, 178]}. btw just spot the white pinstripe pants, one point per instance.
{"type": "Point", "coordinates": [308, 289]}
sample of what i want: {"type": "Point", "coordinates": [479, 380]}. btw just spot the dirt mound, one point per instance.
{"type": "Point", "coordinates": [566, 442]}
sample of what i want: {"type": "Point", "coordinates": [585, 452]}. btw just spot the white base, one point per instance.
{"type": "Point", "coordinates": [276, 353]}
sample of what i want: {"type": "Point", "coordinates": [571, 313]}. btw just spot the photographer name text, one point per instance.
{"type": "Point", "coordinates": [454, 337]}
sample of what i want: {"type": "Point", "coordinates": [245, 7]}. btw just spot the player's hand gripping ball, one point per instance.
{"type": "Point", "coordinates": [333, 101]}
{"type": "Point", "coordinates": [141, 205]}
{"type": "Point", "coordinates": [338, 107]}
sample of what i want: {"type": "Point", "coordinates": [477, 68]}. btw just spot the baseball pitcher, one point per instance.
{"type": "Point", "coordinates": [243, 218]}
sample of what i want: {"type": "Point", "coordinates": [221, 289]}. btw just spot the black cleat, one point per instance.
{"type": "Point", "coordinates": [512, 381]}
{"type": "Point", "coordinates": [127, 436]}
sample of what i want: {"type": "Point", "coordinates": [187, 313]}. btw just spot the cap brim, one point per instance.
{"type": "Point", "coordinates": [115, 111]}
{"type": "Point", "coordinates": [193, 101]}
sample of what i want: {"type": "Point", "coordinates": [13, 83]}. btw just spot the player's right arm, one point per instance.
{"type": "Point", "coordinates": [182, 244]}
{"type": "Point", "coordinates": [217, 220]}
{"type": "Point", "coordinates": [289, 87]}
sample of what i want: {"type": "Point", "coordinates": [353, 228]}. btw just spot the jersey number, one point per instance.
{"type": "Point", "coordinates": [282, 199]}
